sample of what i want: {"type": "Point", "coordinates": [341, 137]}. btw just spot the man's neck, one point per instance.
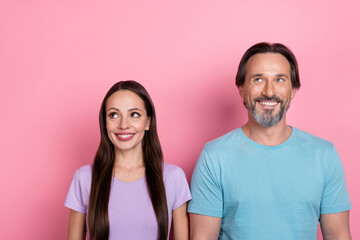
{"type": "Point", "coordinates": [269, 136]}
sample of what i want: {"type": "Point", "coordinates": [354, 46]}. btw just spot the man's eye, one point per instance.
{"type": "Point", "coordinates": [280, 80]}
{"type": "Point", "coordinates": [135, 115]}
{"type": "Point", "coordinates": [257, 79]}
{"type": "Point", "coordinates": [113, 115]}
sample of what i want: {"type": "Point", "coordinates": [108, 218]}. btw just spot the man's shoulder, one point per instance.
{"type": "Point", "coordinates": [305, 138]}
{"type": "Point", "coordinates": [227, 140]}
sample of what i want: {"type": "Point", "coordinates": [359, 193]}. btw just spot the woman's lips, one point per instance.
{"type": "Point", "coordinates": [124, 136]}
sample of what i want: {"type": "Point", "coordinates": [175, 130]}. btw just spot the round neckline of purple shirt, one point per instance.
{"type": "Point", "coordinates": [128, 183]}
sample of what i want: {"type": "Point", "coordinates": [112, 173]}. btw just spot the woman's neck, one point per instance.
{"type": "Point", "coordinates": [129, 166]}
{"type": "Point", "coordinates": [129, 159]}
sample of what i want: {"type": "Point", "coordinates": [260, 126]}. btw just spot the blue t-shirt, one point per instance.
{"type": "Point", "coordinates": [268, 192]}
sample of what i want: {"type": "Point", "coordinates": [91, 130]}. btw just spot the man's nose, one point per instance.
{"type": "Point", "coordinates": [268, 89]}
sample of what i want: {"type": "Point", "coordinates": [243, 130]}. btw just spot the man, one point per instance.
{"type": "Point", "coordinates": [268, 180]}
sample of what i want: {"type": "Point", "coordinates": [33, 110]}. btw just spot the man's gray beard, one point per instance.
{"type": "Point", "coordinates": [266, 119]}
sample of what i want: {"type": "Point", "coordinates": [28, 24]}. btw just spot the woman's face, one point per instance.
{"type": "Point", "coordinates": [126, 120]}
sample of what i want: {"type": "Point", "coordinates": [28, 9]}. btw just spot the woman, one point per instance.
{"type": "Point", "coordinates": [128, 192]}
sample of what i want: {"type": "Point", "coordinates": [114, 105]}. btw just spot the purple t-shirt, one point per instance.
{"type": "Point", "coordinates": [130, 210]}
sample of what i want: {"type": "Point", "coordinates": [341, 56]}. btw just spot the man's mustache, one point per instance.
{"type": "Point", "coordinates": [266, 98]}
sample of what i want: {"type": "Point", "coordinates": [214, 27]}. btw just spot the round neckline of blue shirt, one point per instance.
{"type": "Point", "coordinates": [258, 145]}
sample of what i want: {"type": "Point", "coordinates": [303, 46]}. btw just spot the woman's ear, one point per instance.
{"type": "Point", "coordinates": [148, 123]}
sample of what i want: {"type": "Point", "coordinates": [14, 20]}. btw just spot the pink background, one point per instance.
{"type": "Point", "coordinates": [58, 58]}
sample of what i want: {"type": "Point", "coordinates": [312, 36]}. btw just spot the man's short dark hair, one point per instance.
{"type": "Point", "coordinates": [265, 47]}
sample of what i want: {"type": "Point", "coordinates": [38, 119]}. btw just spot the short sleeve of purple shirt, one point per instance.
{"type": "Point", "coordinates": [79, 192]}
{"type": "Point", "coordinates": [130, 209]}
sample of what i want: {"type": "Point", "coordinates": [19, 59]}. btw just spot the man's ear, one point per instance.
{"type": "Point", "coordinates": [241, 91]}
{"type": "Point", "coordinates": [293, 91]}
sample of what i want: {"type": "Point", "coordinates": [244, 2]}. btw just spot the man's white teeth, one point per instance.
{"type": "Point", "coordinates": [269, 103]}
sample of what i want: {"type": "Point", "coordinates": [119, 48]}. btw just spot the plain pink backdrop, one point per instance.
{"type": "Point", "coordinates": [58, 58]}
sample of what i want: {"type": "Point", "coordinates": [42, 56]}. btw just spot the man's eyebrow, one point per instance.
{"type": "Point", "coordinates": [260, 75]}
{"type": "Point", "coordinates": [282, 75]}
{"type": "Point", "coordinates": [256, 75]}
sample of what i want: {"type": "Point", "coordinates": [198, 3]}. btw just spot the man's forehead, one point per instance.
{"type": "Point", "coordinates": [261, 63]}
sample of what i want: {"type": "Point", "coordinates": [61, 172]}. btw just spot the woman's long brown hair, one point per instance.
{"type": "Point", "coordinates": [98, 217]}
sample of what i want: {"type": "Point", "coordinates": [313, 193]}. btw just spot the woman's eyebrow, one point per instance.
{"type": "Point", "coordinates": [135, 109]}
{"type": "Point", "coordinates": [129, 110]}
{"type": "Point", "coordinates": [113, 108]}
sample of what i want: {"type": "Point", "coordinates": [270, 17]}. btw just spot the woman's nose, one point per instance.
{"type": "Point", "coordinates": [123, 123]}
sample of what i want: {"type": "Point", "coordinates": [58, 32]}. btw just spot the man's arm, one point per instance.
{"type": "Point", "coordinates": [204, 227]}
{"type": "Point", "coordinates": [335, 226]}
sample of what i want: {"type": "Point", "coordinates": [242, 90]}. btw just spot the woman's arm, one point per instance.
{"type": "Point", "coordinates": [77, 227]}
{"type": "Point", "coordinates": [180, 223]}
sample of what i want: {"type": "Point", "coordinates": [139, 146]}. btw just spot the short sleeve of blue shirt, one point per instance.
{"type": "Point", "coordinates": [335, 197]}
{"type": "Point", "coordinates": [206, 187]}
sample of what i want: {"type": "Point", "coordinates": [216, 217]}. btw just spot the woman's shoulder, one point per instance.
{"type": "Point", "coordinates": [171, 168]}
{"type": "Point", "coordinates": [86, 169]}
{"type": "Point", "coordinates": [84, 173]}
{"type": "Point", "coordinates": [177, 187]}
{"type": "Point", "coordinates": [173, 171]}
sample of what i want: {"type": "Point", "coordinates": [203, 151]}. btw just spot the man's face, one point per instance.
{"type": "Point", "coordinates": [267, 90]}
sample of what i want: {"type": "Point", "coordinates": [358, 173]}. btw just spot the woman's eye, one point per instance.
{"type": "Point", "coordinates": [113, 115]}
{"type": "Point", "coordinates": [135, 115]}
